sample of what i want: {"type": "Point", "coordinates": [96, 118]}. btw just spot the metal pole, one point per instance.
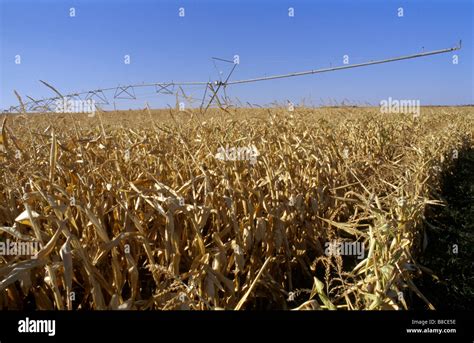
{"type": "Point", "coordinates": [316, 71]}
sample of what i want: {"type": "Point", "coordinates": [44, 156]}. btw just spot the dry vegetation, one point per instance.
{"type": "Point", "coordinates": [133, 210]}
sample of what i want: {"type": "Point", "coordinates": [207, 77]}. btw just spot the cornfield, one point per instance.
{"type": "Point", "coordinates": [132, 210]}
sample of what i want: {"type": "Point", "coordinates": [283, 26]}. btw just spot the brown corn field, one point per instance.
{"type": "Point", "coordinates": [133, 210]}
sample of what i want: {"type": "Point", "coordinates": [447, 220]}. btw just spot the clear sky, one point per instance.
{"type": "Point", "coordinates": [87, 51]}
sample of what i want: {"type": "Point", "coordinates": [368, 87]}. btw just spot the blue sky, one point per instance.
{"type": "Point", "coordinates": [87, 51]}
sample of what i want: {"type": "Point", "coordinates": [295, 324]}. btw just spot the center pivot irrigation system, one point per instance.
{"type": "Point", "coordinates": [211, 88]}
